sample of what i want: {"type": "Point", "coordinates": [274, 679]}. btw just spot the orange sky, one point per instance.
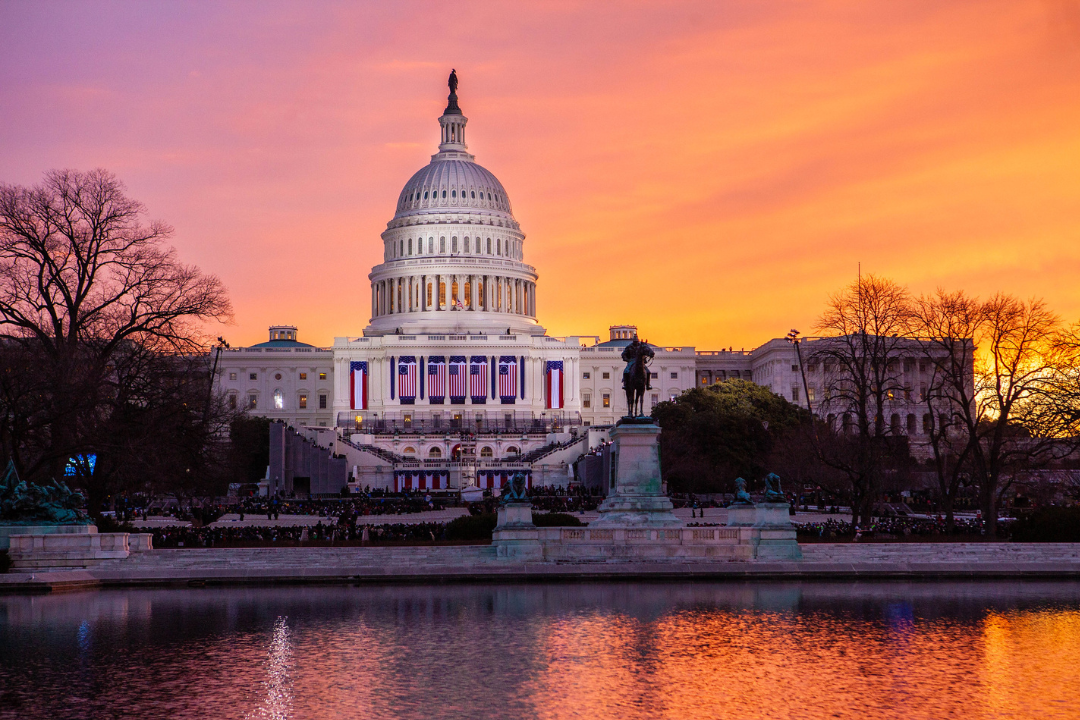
{"type": "Point", "coordinates": [734, 159]}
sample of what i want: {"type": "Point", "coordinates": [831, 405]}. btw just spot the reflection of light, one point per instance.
{"type": "Point", "coordinates": [84, 637]}
{"type": "Point", "coordinates": [278, 702]}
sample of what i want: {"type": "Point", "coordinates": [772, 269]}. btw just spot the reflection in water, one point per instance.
{"type": "Point", "coordinates": [885, 650]}
{"type": "Point", "coordinates": [278, 700]}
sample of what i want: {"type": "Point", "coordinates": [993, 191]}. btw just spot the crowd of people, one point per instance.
{"type": "Point", "coordinates": [889, 528]}
{"type": "Point", "coordinates": [296, 535]}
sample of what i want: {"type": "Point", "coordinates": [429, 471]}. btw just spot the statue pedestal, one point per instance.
{"type": "Point", "coordinates": [515, 537]}
{"type": "Point", "coordinates": [774, 533]}
{"type": "Point", "coordinates": [6, 531]}
{"type": "Point", "coordinates": [635, 497]}
{"type": "Point", "coordinates": [742, 515]}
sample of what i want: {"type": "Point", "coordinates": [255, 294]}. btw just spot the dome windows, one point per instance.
{"type": "Point", "coordinates": [453, 193]}
{"type": "Point", "coordinates": [444, 194]}
{"type": "Point", "coordinates": [425, 194]}
{"type": "Point", "coordinates": [473, 194]}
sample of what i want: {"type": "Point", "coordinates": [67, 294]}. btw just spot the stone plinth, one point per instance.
{"type": "Point", "coordinates": [6, 531]}
{"type": "Point", "coordinates": [515, 537]}
{"type": "Point", "coordinates": [774, 533]}
{"type": "Point", "coordinates": [635, 497]}
{"type": "Point", "coordinates": [30, 553]}
{"type": "Point", "coordinates": [742, 515]}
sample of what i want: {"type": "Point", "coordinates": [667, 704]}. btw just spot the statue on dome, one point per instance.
{"type": "Point", "coordinates": [452, 82]}
{"type": "Point", "coordinates": [637, 355]}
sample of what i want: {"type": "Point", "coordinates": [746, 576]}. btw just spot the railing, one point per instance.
{"type": "Point", "coordinates": [420, 423]}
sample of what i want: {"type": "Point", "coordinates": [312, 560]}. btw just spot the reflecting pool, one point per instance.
{"type": "Point", "coordinates": [695, 650]}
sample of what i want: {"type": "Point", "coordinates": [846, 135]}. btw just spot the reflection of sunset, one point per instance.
{"type": "Point", "coordinates": [922, 651]}
{"type": "Point", "coordinates": [740, 157]}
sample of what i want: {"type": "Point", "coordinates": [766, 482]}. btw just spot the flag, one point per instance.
{"type": "Point", "coordinates": [554, 384]}
{"type": "Point", "coordinates": [358, 384]}
{"type": "Point", "coordinates": [406, 379]}
{"type": "Point", "coordinates": [457, 379]}
{"type": "Point", "coordinates": [436, 373]}
{"type": "Point", "coordinates": [478, 374]}
{"type": "Point", "coordinates": [508, 379]}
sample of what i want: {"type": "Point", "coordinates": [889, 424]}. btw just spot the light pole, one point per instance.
{"type": "Point", "coordinates": [793, 338]}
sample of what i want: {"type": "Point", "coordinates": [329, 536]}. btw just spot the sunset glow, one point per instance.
{"type": "Point", "coordinates": [739, 158]}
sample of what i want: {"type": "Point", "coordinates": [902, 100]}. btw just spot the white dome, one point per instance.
{"type": "Point", "coordinates": [452, 185]}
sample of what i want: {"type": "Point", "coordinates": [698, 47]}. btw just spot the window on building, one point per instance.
{"type": "Point", "coordinates": [673, 397]}
{"type": "Point", "coordinates": [409, 451]}
{"type": "Point", "coordinates": [322, 376]}
{"type": "Point", "coordinates": [812, 367]}
{"type": "Point", "coordinates": [911, 424]}
{"type": "Point", "coordinates": [279, 400]}
{"type": "Point", "coordinates": [607, 400]}
{"type": "Point", "coordinates": [674, 376]}
{"type": "Point", "coordinates": [810, 394]}
{"type": "Point", "coordinates": [232, 402]}
{"type": "Point", "coordinates": [322, 402]}
{"type": "Point", "coordinates": [232, 376]}
{"type": "Point", "coordinates": [435, 453]}
{"type": "Point", "coordinates": [253, 376]}
{"type": "Point", "coordinates": [794, 368]}
{"type": "Point", "coordinates": [512, 451]}
{"type": "Point", "coordinates": [654, 375]}
{"type": "Point", "coordinates": [655, 399]}
{"type": "Point", "coordinates": [253, 402]}
{"type": "Point", "coordinates": [795, 393]}
{"type": "Point", "coordinates": [586, 400]}
{"type": "Point", "coordinates": [486, 452]}
{"type": "Point", "coordinates": [302, 402]}
{"type": "Point", "coordinates": [890, 394]}
{"type": "Point", "coordinates": [927, 421]}
{"type": "Point", "coordinates": [922, 392]}
{"type": "Point", "coordinates": [303, 376]}
{"type": "Point", "coordinates": [585, 376]}
{"type": "Point", "coordinates": [607, 376]}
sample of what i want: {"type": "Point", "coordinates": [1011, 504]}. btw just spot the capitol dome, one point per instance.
{"type": "Point", "coordinates": [453, 252]}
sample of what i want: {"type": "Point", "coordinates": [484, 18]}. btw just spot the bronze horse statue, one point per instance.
{"type": "Point", "coordinates": [637, 355]}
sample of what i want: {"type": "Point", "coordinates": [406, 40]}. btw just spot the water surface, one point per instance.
{"type": "Point", "coordinates": [866, 650]}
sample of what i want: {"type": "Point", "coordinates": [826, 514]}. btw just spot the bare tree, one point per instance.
{"type": "Point", "coordinates": [866, 327]}
{"type": "Point", "coordinates": [948, 326]}
{"type": "Point", "coordinates": [86, 287]}
{"type": "Point", "coordinates": [1017, 420]}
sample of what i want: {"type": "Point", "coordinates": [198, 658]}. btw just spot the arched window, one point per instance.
{"type": "Point", "coordinates": [434, 453]}
{"type": "Point", "coordinates": [926, 423]}
{"type": "Point", "coordinates": [430, 245]}
{"type": "Point", "coordinates": [468, 294]}
{"type": "Point", "coordinates": [453, 244]}
{"type": "Point", "coordinates": [486, 452]}
{"type": "Point", "coordinates": [466, 244]}
{"type": "Point", "coordinates": [453, 193]}
{"type": "Point", "coordinates": [454, 292]}
{"type": "Point", "coordinates": [279, 400]}
{"type": "Point", "coordinates": [429, 294]}
{"type": "Point", "coordinates": [911, 425]}
{"type": "Point", "coordinates": [442, 244]}
{"type": "Point", "coordinates": [894, 424]}
{"type": "Point", "coordinates": [473, 194]}
{"type": "Point", "coordinates": [409, 452]}
{"type": "Point", "coordinates": [444, 194]}
{"type": "Point", "coordinates": [847, 423]}
{"type": "Point", "coordinates": [425, 194]}
{"type": "Point", "coordinates": [410, 246]}
{"type": "Point", "coordinates": [489, 246]}
{"type": "Point", "coordinates": [512, 451]}
{"type": "Point", "coordinates": [442, 293]}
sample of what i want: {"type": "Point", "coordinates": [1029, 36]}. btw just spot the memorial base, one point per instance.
{"type": "Point", "coordinates": [42, 552]}
{"type": "Point", "coordinates": [515, 537]}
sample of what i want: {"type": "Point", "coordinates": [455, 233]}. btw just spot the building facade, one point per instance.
{"type": "Point", "coordinates": [454, 383]}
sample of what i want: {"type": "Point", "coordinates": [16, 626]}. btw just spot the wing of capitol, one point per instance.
{"type": "Point", "coordinates": [454, 384]}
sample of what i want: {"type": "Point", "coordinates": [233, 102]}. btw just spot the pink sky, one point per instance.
{"type": "Point", "coordinates": [736, 159]}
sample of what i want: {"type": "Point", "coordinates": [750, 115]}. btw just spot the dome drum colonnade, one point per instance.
{"type": "Point", "coordinates": [453, 246]}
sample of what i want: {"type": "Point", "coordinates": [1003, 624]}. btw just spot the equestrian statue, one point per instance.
{"type": "Point", "coordinates": [635, 377]}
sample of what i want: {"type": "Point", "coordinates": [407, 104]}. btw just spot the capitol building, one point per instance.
{"type": "Point", "coordinates": [454, 382]}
